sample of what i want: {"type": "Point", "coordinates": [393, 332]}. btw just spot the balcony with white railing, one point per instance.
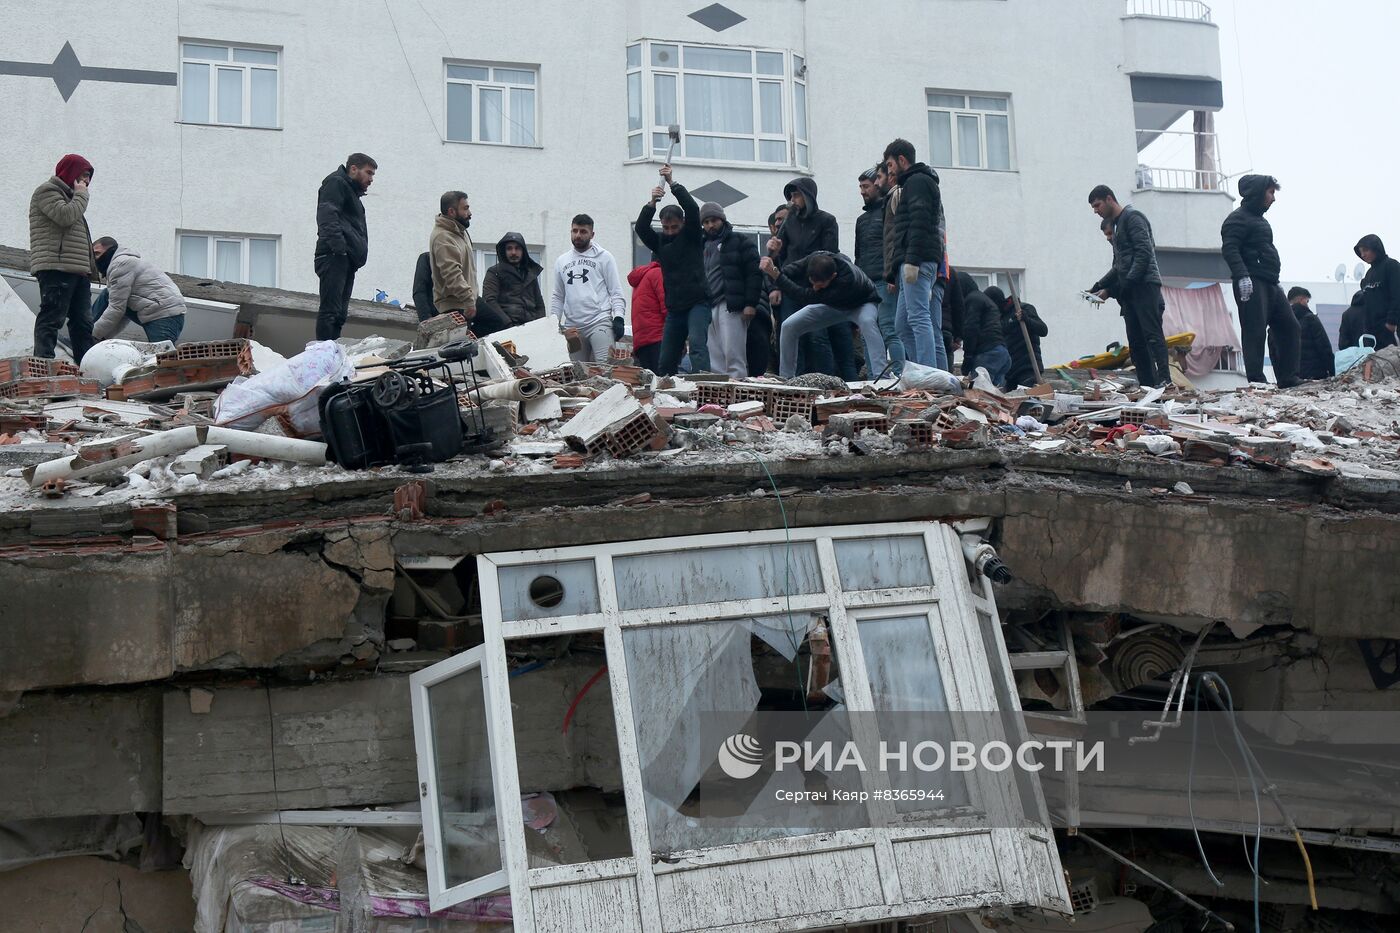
{"type": "Point", "coordinates": [1180, 186]}
{"type": "Point", "coordinates": [1192, 10]}
{"type": "Point", "coordinates": [1171, 38]}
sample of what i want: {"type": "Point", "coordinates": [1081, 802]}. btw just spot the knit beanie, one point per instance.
{"type": "Point", "coordinates": [711, 209]}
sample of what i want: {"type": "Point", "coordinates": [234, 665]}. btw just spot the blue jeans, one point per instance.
{"type": "Point", "coordinates": [682, 326]}
{"type": "Point", "coordinates": [919, 318]}
{"type": "Point", "coordinates": [822, 317]}
{"type": "Point", "coordinates": [166, 328]}
{"type": "Point", "coordinates": [889, 306]}
{"type": "Point", "coordinates": [996, 361]}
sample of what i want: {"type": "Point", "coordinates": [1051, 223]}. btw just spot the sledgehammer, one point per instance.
{"type": "Point", "coordinates": [673, 131]}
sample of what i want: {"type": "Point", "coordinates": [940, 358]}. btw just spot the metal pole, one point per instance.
{"type": "Point", "coordinates": [1025, 334]}
{"type": "Point", "coordinates": [1154, 879]}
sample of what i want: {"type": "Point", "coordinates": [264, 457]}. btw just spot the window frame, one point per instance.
{"type": "Point", "coordinates": [247, 83]}
{"type": "Point", "coordinates": [793, 74]}
{"type": "Point", "coordinates": [213, 238]}
{"type": "Point", "coordinates": [967, 110]}
{"type": "Point", "coordinates": [507, 89]}
{"type": "Point", "coordinates": [995, 277]}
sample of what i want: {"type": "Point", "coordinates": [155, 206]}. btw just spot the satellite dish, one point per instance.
{"type": "Point", "coordinates": [1341, 272]}
{"type": "Point", "coordinates": [1360, 271]}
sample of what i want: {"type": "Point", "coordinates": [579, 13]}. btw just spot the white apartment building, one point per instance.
{"type": "Point", "coordinates": [212, 122]}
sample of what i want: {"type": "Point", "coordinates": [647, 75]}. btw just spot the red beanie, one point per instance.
{"type": "Point", "coordinates": [72, 167]}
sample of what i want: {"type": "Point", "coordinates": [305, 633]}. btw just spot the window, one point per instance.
{"type": "Point", "coordinates": [227, 257]}
{"type": "Point", "coordinates": [969, 131]}
{"type": "Point", "coordinates": [986, 280]}
{"type": "Point", "coordinates": [733, 105]}
{"type": "Point", "coordinates": [228, 85]}
{"type": "Point", "coordinates": [492, 104]}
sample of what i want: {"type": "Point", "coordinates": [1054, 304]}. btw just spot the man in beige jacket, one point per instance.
{"type": "Point", "coordinates": [453, 257]}
{"type": "Point", "coordinates": [60, 257]}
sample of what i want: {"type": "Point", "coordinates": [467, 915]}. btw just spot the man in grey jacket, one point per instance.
{"type": "Point", "coordinates": [137, 291]}
{"type": "Point", "coordinates": [1137, 284]}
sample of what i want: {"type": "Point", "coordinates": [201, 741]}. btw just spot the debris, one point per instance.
{"type": "Point", "coordinates": [1183, 489]}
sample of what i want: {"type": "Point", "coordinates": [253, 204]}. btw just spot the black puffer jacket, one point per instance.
{"type": "Point", "coordinates": [682, 256]}
{"type": "Point", "coordinates": [738, 261]}
{"type": "Point", "coordinates": [870, 240]}
{"type": "Point", "coordinates": [340, 219]}
{"type": "Point", "coordinates": [981, 321]}
{"type": "Point", "coordinates": [423, 288]}
{"type": "Point", "coordinates": [918, 221]}
{"type": "Point", "coordinates": [1353, 323]}
{"type": "Point", "coordinates": [954, 304]}
{"type": "Point", "coordinates": [851, 290]}
{"type": "Point", "coordinates": [1316, 360]}
{"type": "Point", "coordinates": [514, 290]}
{"type": "Point", "coordinates": [1381, 286]}
{"type": "Point", "coordinates": [1247, 238]}
{"type": "Point", "coordinates": [1021, 372]}
{"type": "Point", "coordinates": [809, 230]}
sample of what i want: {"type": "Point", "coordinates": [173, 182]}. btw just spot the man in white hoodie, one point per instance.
{"type": "Point", "coordinates": [587, 296]}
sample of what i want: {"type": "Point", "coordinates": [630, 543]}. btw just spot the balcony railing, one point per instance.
{"type": "Point", "coordinates": [1170, 9]}
{"type": "Point", "coordinates": [1180, 179]}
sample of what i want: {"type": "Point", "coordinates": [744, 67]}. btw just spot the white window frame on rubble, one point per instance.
{"type": "Point", "coordinates": [963, 665]}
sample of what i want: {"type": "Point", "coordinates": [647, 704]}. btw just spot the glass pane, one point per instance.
{"type": "Point", "coordinates": [799, 110]}
{"type": "Point", "coordinates": [262, 263]}
{"type": "Point", "coordinates": [770, 63]}
{"type": "Point", "coordinates": [228, 260]}
{"type": "Point", "coordinates": [738, 61]}
{"type": "Point", "coordinates": [987, 103]}
{"type": "Point", "coordinates": [194, 255]}
{"type": "Point", "coordinates": [492, 114]}
{"type": "Point", "coordinates": [230, 108]}
{"type": "Point", "coordinates": [772, 150]}
{"type": "Point", "coordinates": [881, 563]}
{"type": "Point", "coordinates": [799, 66]}
{"type": "Point", "coordinates": [635, 146]}
{"type": "Point", "coordinates": [726, 148]}
{"type": "Point", "coordinates": [723, 105]}
{"type": "Point", "coordinates": [459, 112]}
{"type": "Point", "coordinates": [665, 56]}
{"type": "Point", "coordinates": [514, 76]}
{"type": "Point", "coordinates": [685, 578]}
{"type": "Point", "coordinates": [194, 94]}
{"type": "Point", "coordinates": [548, 591]}
{"type": "Point", "coordinates": [802, 158]}
{"type": "Point", "coordinates": [634, 101]}
{"type": "Point", "coordinates": [255, 56]}
{"type": "Point", "coordinates": [660, 142]}
{"type": "Point", "coordinates": [940, 138]}
{"type": "Point", "coordinates": [770, 105]}
{"type": "Point", "coordinates": [969, 142]}
{"type": "Point", "coordinates": [522, 116]}
{"type": "Point", "coordinates": [213, 53]}
{"type": "Point", "coordinates": [956, 101]}
{"type": "Point", "coordinates": [264, 97]}
{"type": "Point", "coordinates": [998, 143]}
{"type": "Point", "coordinates": [634, 56]}
{"type": "Point", "coordinates": [664, 105]}
{"type": "Point", "coordinates": [468, 72]}
{"type": "Point", "coordinates": [466, 792]}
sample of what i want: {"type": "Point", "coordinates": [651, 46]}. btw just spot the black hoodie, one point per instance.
{"type": "Point", "coordinates": [809, 230]}
{"type": "Point", "coordinates": [1381, 287]}
{"type": "Point", "coordinates": [1353, 323]}
{"type": "Point", "coordinates": [1246, 237]}
{"type": "Point", "coordinates": [514, 290]}
{"type": "Point", "coordinates": [1315, 349]}
{"type": "Point", "coordinates": [1021, 372]}
{"type": "Point", "coordinates": [981, 322]}
{"type": "Point", "coordinates": [918, 221]}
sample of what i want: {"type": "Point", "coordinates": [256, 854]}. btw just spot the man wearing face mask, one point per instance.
{"type": "Point", "coordinates": [60, 257]}
{"type": "Point", "coordinates": [453, 256]}
{"type": "Point", "coordinates": [1247, 242]}
{"type": "Point", "coordinates": [342, 239]}
{"type": "Point", "coordinates": [137, 291]}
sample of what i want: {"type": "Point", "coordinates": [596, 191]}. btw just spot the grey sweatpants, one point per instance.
{"type": "Point", "coordinates": [729, 341]}
{"type": "Point", "coordinates": [597, 341]}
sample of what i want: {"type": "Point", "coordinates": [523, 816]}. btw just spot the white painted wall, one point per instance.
{"type": "Point", "coordinates": [353, 80]}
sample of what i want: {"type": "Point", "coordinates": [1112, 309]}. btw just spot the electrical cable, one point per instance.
{"type": "Point", "coordinates": [1217, 683]}
{"type": "Point", "coordinates": [409, 65]}
{"type": "Point", "coordinates": [276, 793]}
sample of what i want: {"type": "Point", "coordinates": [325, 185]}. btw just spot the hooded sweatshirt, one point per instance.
{"type": "Point", "coordinates": [1380, 289]}
{"type": "Point", "coordinates": [514, 290]}
{"type": "Point", "coordinates": [139, 286]}
{"type": "Point", "coordinates": [1353, 323]}
{"type": "Point", "coordinates": [809, 230]}
{"type": "Point", "coordinates": [1021, 372]}
{"type": "Point", "coordinates": [59, 240]}
{"type": "Point", "coordinates": [1316, 360]}
{"type": "Point", "coordinates": [1247, 239]}
{"type": "Point", "coordinates": [981, 321]}
{"type": "Point", "coordinates": [587, 289]}
{"type": "Point", "coordinates": [648, 304]}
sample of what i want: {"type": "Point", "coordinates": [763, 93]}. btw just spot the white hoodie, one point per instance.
{"type": "Point", "coordinates": [587, 289]}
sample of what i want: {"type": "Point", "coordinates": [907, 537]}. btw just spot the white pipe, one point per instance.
{"type": "Point", "coordinates": [514, 390]}
{"type": "Point", "coordinates": [270, 446]}
{"type": "Point", "coordinates": [164, 444]}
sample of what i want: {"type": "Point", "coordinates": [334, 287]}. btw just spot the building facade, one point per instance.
{"type": "Point", "coordinates": [211, 124]}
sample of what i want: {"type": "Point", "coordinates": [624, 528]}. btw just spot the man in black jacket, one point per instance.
{"type": "Point", "coordinates": [680, 250]}
{"type": "Point", "coordinates": [1353, 326]}
{"type": "Point", "coordinates": [828, 289]}
{"type": "Point", "coordinates": [870, 257]}
{"type": "Point", "coordinates": [919, 259]}
{"type": "Point", "coordinates": [1247, 242]}
{"type": "Point", "coordinates": [1137, 284]}
{"type": "Point", "coordinates": [1381, 290]}
{"type": "Point", "coordinates": [1022, 373]}
{"type": "Point", "coordinates": [342, 239]}
{"type": "Point", "coordinates": [806, 230]}
{"type": "Point", "coordinates": [984, 345]}
{"type": "Point", "coordinates": [423, 288]}
{"type": "Point", "coordinates": [1315, 357]}
{"type": "Point", "coordinates": [510, 291]}
{"type": "Point", "coordinates": [735, 288]}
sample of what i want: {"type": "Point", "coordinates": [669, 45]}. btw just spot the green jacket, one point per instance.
{"type": "Point", "coordinates": [59, 239]}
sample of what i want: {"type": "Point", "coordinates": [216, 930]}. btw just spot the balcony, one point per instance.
{"type": "Point", "coordinates": [1190, 10]}
{"type": "Point", "coordinates": [1171, 53]}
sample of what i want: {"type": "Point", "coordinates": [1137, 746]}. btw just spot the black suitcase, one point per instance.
{"type": "Point", "coordinates": [356, 434]}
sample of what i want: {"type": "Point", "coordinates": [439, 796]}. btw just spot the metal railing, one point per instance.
{"type": "Point", "coordinates": [1170, 9]}
{"type": "Point", "coordinates": [1150, 178]}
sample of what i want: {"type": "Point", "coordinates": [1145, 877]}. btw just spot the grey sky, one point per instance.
{"type": "Point", "coordinates": [1309, 99]}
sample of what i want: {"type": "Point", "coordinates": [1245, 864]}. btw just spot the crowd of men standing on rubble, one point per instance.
{"type": "Point", "coordinates": [708, 302]}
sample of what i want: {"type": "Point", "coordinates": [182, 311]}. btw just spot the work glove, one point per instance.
{"type": "Point", "coordinates": [619, 329]}
{"type": "Point", "coordinates": [1246, 289]}
{"type": "Point", "coordinates": [911, 273]}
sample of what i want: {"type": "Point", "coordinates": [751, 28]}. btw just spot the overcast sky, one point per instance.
{"type": "Point", "coordinates": [1310, 98]}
